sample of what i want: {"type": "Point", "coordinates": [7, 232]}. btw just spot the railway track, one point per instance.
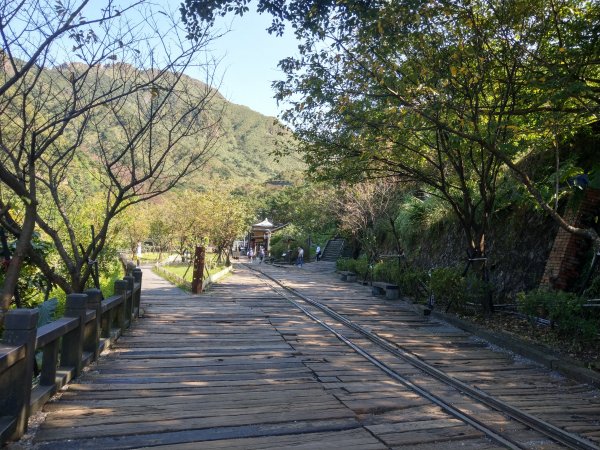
{"type": "Point", "coordinates": [457, 398]}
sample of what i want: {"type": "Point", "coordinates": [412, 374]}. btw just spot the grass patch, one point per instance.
{"type": "Point", "coordinates": [180, 270]}
{"type": "Point", "coordinates": [173, 278]}
{"type": "Point", "coordinates": [174, 273]}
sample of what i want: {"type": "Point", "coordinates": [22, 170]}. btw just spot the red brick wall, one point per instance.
{"type": "Point", "coordinates": [564, 263]}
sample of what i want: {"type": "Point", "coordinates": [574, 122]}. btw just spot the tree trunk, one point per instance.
{"type": "Point", "coordinates": [228, 257]}
{"type": "Point", "coordinates": [399, 249]}
{"type": "Point", "coordinates": [14, 267]}
{"type": "Point", "coordinates": [77, 283]}
{"type": "Point", "coordinates": [478, 261]}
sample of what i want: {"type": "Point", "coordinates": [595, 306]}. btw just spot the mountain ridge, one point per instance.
{"type": "Point", "coordinates": [245, 152]}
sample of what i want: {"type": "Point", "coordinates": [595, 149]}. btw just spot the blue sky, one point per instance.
{"type": "Point", "coordinates": [250, 56]}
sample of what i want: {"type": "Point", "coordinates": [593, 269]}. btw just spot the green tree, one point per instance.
{"type": "Point", "coordinates": [445, 94]}
{"type": "Point", "coordinates": [227, 217]}
{"type": "Point", "coordinates": [160, 233]}
{"type": "Point", "coordinates": [133, 226]}
{"type": "Point", "coordinates": [368, 211]}
{"type": "Point", "coordinates": [188, 224]}
{"type": "Point", "coordinates": [309, 206]}
{"type": "Point", "coordinates": [50, 109]}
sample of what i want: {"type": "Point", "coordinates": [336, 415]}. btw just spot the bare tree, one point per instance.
{"type": "Point", "coordinates": [65, 79]}
{"type": "Point", "coordinates": [365, 207]}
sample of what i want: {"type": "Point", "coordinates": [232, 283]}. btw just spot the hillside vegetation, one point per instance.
{"type": "Point", "coordinates": [243, 152]}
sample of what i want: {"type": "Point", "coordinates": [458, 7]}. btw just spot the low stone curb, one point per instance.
{"type": "Point", "coordinates": [215, 276]}
{"type": "Point", "coordinates": [206, 282]}
{"type": "Point", "coordinates": [537, 353]}
{"type": "Point", "coordinates": [171, 277]}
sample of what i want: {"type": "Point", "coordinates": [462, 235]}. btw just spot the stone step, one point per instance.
{"type": "Point", "coordinates": [333, 249]}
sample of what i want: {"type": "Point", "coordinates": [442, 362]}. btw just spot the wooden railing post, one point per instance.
{"type": "Point", "coordinates": [92, 335]}
{"type": "Point", "coordinates": [137, 276]}
{"type": "Point", "coordinates": [121, 289]}
{"type": "Point", "coordinates": [130, 300]}
{"type": "Point", "coordinates": [72, 342]}
{"type": "Point", "coordinates": [19, 329]}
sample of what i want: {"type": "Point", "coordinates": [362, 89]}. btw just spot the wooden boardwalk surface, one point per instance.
{"type": "Point", "coordinates": [240, 368]}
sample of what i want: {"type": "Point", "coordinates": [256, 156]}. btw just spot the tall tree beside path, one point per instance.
{"type": "Point", "coordinates": [227, 218]}
{"type": "Point", "coordinates": [445, 93]}
{"type": "Point", "coordinates": [366, 209]}
{"type": "Point", "coordinates": [71, 72]}
{"type": "Point", "coordinates": [184, 219]}
{"type": "Point", "coordinates": [134, 226]}
{"type": "Point", "coordinates": [188, 221]}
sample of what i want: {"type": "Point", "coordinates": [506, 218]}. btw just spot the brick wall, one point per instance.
{"type": "Point", "coordinates": [564, 263]}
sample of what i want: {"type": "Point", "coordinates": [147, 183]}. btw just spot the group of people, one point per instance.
{"type": "Point", "coordinates": [299, 260]}
{"type": "Point", "coordinates": [261, 254]}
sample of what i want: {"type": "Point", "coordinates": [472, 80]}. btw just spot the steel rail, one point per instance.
{"type": "Point", "coordinates": [413, 386]}
{"type": "Point", "coordinates": [547, 429]}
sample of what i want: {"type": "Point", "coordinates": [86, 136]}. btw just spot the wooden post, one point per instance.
{"type": "Point", "coordinates": [92, 335]}
{"type": "Point", "coordinates": [130, 297]}
{"type": "Point", "coordinates": [137, 275]}
{"type": "Point", "coordinates": [20, 328]}
{"type": "Point", "coordinates": [198, 270]}
{"type": "Point", "coordinates": [72, 342]}
{"type": "Point", "coordinates": [121, 289]}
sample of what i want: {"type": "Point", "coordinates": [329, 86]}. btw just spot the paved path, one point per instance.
{"type": "Point", "coordinates": [240, 368]}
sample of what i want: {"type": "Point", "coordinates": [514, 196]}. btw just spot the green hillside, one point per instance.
{"type": "Point", "coordinates": [243, 154]}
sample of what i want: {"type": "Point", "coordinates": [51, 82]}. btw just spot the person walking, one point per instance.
{"type": "Point", "coordinates": [318, 252]}
{"type": "Point", "coordinates": [300, 260]}
{"type": "Point", "coordinates": [250, 254]}
{"type": "Point", "coordinates": [261, 254]}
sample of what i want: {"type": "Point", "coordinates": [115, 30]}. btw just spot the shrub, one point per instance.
{"type": "Point", "coordinates": [411, 282]}
{"type": "Point", "coordinates": [564, 309]}
{"type": "Point", "coordinates": [345, 264]}
{"type": "Point", "coordinates": [448, 285]}
{"type": "Point", "coordinates": [110, 271]}
{"type": "Point", "coordinates": [359, 266]}
{"type": "Point", "coordinates": [387, 270]}
{"type": "Point", "coordinates": [594, 290]}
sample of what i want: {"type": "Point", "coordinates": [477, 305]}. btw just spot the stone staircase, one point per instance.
{"type": "Point", "coordinates": [333, 249]}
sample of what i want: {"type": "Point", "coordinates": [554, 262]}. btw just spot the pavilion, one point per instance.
{"type": "Point", "coordinates": [260, 235]}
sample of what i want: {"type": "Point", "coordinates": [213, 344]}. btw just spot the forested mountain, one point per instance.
{"type": "Point", "coordinates": [243, 152]}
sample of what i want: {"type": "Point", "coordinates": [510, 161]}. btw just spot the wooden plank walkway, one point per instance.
{"type": "Point", "coordinates": [201, 369]}
{"type": "Point", "coordinates": [566, 403]}
{"type": "Point", "coordinates": [239, 368]}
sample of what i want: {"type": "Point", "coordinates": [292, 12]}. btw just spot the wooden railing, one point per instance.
{"type": "Point", "coordinates": [90, 324]}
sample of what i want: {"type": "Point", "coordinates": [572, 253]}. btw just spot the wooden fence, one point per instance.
{"type": "Point", "coordinates": [90, 324]}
